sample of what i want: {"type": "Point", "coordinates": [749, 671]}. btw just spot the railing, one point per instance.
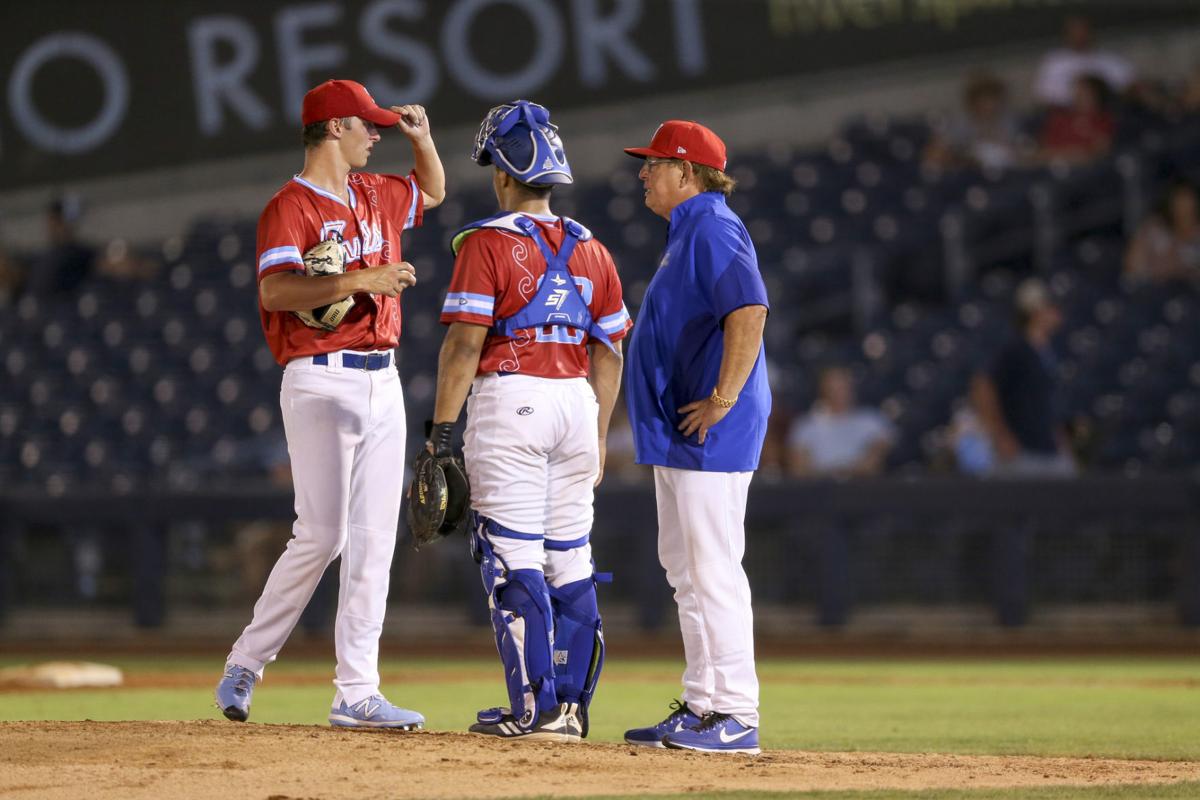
{"type": "Point", "coordinates": [834, 545]}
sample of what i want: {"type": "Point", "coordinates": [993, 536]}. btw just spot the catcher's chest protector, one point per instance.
{"type": "Point", "coordinates": [557, 300]}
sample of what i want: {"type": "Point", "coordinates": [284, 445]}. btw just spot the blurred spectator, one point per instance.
{"type": "Point", "coordinates": [972, 448]}
{"type": "Point", "coordinates": [1166, 246]}
{"type": "Point", "coordinates": [1054, 84]}
{"type": "Point", "coordinates": [985, 133]}
{"type": "Point", "coordinates": [1015, 399]}
{"type": "Point", "coordinates": [121, 263]}
{"type": "Point", "coordinates": [1189, 93]}
{"type": "Point", "coordinates": [836, 438]}
{"type": "Point", "coordinates": [619, 459]}
{"type": "Point", "coordinates": [1083, 131]}
{"type": "Point", "coordinates": [65, 262]}
{"type": "Point", "coordinates": [11, 276]}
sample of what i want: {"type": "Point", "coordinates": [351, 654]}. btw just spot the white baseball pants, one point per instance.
{"type": "Point", "coordinates": [701, 541]}
{"type": "Point", "coordinates": [345, 432]}
{"type": "Point", "coordinates": [532, 453]}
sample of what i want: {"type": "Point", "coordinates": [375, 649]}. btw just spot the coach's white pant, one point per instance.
{"type": "Point", "coordinates": [701, 541]}
{"type": "Point", "coordinates": [532, 453]}
{"type": "Point", "coordinates": [345, 431]}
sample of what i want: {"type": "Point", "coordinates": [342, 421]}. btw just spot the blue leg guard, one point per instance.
{"type": "Point", "coordinates": [522, 620]}
{"type": "Point", "coordinates": [578, 644]}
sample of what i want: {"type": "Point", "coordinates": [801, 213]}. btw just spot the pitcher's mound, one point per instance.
{"type": "Point", "coordinates": [166, 760]}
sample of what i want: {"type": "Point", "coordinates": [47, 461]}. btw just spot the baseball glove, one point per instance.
{"type": "Point", "coordinates": [326, 258]}
{"type": "Point", "coordinates": [439, 498]}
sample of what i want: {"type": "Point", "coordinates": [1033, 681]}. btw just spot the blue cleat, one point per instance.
{"type": "Point", "coordinates": [375, 712]}
{"type": "Point", "coordinates": [234, 692]}
{"type": "Point", "coordinates": [716, 733]}
{"type": "Point", "coordinates": [681, 718]}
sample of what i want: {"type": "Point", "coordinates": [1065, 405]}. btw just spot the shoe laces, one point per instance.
{"type": "Point", "coordinates": [678, 710]}
{"type": "Point", "coordinates": [712, 720]}
{"type": "Point", "coordinates": [242, 678]}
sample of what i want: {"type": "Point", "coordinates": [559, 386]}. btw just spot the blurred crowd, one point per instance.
{"type": "Point", "coordinates": [1008, 423]}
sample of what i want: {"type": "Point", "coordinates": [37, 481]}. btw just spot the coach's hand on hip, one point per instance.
{"type": "Point", "coordinates": [701, 415]}
{"type": "Point", "coordinates": [387, 279]}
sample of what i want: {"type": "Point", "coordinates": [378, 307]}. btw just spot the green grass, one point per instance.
{"type": "Point", "coordinates": [1120, 708]}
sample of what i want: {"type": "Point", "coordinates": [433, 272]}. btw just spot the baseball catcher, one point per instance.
{"type": "Point", "coordinates": [439, 496]}
{"type": "Point", "coordinates": [536, 322]}
{"type": "Point", "coordinates": [326, 258]}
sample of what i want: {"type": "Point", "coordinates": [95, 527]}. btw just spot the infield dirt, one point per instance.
{"type": "Point", "coordinates": [209, 759]}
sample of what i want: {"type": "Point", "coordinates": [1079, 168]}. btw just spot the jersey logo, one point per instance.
{"type": "Point", "coordinates": [564, 334]}
{"type": "Point", "coordinates": [558, 280]}
{"type": "Point", "coordinates": [557, 298]}
{"type": "Point", "coordinates": [335, 227]}
{"type": "Point", "coordinates": [524, 411]}
{"type": "Point", "coordinates": [369, 241]}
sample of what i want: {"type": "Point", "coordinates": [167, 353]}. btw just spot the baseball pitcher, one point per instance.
{"type": "Point", "coordinates": [330, 274]}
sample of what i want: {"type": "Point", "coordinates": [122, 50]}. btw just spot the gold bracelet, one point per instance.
{"type": "Point", "coordinates": [721, 401]}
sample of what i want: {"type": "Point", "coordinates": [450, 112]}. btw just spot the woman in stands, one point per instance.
{"type": "Point", "coordinates": [1083, 131]}
{"type": "Point", "coordinates": [1166, 246]}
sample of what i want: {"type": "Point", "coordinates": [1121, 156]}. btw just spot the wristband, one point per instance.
{"type": "Point", "coordinates": [439, 436]}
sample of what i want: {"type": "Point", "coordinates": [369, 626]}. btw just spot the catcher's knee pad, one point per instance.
{"type": "Point", "coordinates": [519, 602]}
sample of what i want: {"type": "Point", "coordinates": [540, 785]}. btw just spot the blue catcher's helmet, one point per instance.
{"type": "Point", "coordinates": [519, 138]}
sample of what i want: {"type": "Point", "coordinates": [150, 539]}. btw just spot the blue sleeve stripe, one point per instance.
{"type": "Point", "coordinates": [614, 322]}
{"type": "Point", "coordinates": [621, 315]}
{"type": "Point", "coordinates": [465, 301]}
{"type": "Point", "coordinates": [412, 209]}
{"type": "Point", "coordinates": [478, 298]}
{"type": "Point", "coordinates": [472, 310]}
{"type": "Point", "coordinates": [451, 307]}
{"type": "Point", "coordinates": [279, 255]}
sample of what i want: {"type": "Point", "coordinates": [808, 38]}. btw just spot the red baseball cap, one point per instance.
{"type": "Point", "coordinates": [685, 140]}
{"type": "Point", "coordinates": [333, 99]}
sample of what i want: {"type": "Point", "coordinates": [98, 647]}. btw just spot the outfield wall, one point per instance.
{"type": "Point", "coordinates": [839, 549]}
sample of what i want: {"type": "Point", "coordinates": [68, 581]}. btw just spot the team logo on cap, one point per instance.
{"type": "Point", "coordinates": [681, 150]}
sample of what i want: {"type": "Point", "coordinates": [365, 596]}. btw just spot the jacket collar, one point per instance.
{"type": "Point", "coordinates": [694, 206]}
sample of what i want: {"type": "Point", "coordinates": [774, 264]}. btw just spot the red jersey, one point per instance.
{"type": "Point", "coordinates": [497, 273]}
{"type": "Point", "coordinates": [300, 215]}
{"type": "Point", "coordinates": [1069, 131]}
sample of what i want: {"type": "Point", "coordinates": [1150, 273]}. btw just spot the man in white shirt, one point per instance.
{"type": "Point", "coordinates": [1053, 85]}
{"type": "Point", "coordinates": [837, 438]}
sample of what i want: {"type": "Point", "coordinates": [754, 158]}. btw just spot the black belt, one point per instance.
{"type": "Point", "coordinates": [371, 361]}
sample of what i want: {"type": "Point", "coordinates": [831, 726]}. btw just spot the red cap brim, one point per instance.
{"type": "Point", "coordinates": [645, 152]}
{"type": "Point", "coordinates": [381, 116]}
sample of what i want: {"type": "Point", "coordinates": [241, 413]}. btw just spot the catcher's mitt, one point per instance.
{"type": "Point", "coordinates": [439, 498]}
{"type": "Point", "coordinates": [326, 258]}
